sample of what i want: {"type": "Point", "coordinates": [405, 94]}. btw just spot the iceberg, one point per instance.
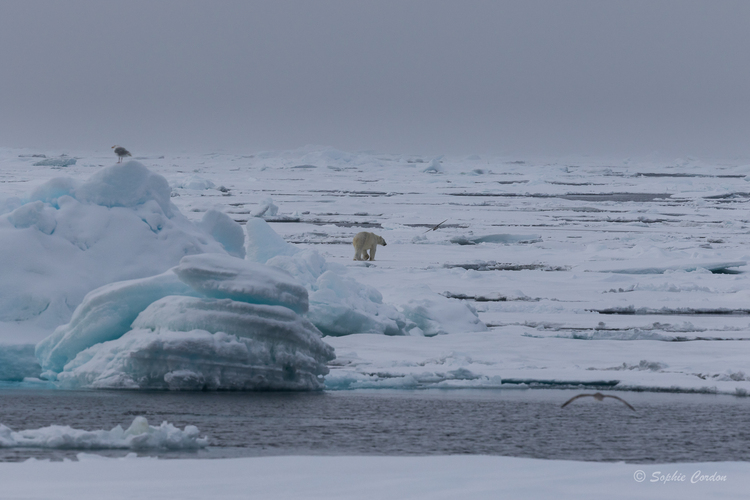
{"type": "Point", "coordinates": [68, 238]}
{"type": "Point", "coordinates": [197, 183]}
{"type": "Point", "coordinates": [188, 343]}
{"type": "Point", "coordinates": [214, 322]}
{"type": "Point", "coordinates": [105, 314]}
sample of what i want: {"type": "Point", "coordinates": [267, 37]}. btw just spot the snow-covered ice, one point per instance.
{"type": "Point", "coordinates": [617, 274]}
{"type": "Point", "coordinates": [417, 478]}
{"type": "Point", "coordinates": [139, 436]}
{"type": "Point", "coordinates": [577, 271]}
{"type": "Point", "coordinates": [67, 237]}
{"type": "Point", "coordinates": [225, 277]}
{"type": "Point", "coordinates": [213, 322]}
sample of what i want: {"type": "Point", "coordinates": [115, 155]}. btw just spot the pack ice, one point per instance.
{"type": "Point", "coordinates": [340, 305]}
{"type": "Point", "coordinates": [139, 436]}
{"type": "Point", "coordinates": [162, 303]}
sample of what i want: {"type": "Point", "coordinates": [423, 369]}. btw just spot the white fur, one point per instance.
{"type": "Point", "coordinates": [365, 241]}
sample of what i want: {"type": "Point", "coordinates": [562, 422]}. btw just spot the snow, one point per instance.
{"type": "Point", "coordinates": [205, 324]}
{"type": "Point", "coordinates": [105, 314]}
{"type": "Point", "coordinates": [226, 231]}
{"type": "Point", "coordinates": [226, 277]}
{"type": "Point", "coordinates": [264, 243]}
{"type": "Point", "coordinates": [139, 436]}
{"type": "Point", "coordinates": [195, 182]}
{"type": "Point", "coordinates": [565, 272]}
{"type": "Point", "coordinates": [66, 238]}
{"type": "Point", "coordinates": [189, 343]}
{"type": "Point", "coordinates": [417, 478]}
{"type": "Point", "coordinates": [577, 269]}
{"type": "Point", "coordinates": [56, 162]}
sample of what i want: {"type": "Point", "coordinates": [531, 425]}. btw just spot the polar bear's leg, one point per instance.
{"type": "Point", "coordinates": [358, 244]}
{"type": "Point", "coordinates": [372, 251]}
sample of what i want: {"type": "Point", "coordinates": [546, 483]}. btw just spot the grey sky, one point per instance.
{"type": "Point", "coordinates": [425, 76]}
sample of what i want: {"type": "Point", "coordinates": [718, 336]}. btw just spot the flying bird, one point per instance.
{"type": "Point", "coordinates": [121, 152]}
{"type": "Point", "coordinates": [435, 228]}
{"type": "Point", "coordinates": [598, 396]}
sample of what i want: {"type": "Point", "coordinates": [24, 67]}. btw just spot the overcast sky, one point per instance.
{"type": "Point", "coordinates": [406, 76]}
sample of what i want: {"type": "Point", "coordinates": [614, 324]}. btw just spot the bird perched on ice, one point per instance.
{"type": "Point", "coordinates": [598, 396]}
{"type": "Point", "coordinates": [121, 153]}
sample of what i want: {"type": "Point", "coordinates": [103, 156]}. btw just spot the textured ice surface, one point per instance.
{"type": "Point", "coordinates": [196, 182]}
{"type": "Point", "coordinates": [438, 315]}
{"type": "Point", "coordinates": [339, 305]}
{"type": "Point", "coordinates": [139, 436]}
{"type": "Point", "coordinates": [555, 316]}
{"type": "Point", "coordinates": [266, 208]}
{"type": "Point", "coordinates": [68, 238]}
{"type": "Point", "coordinates": [226, 231]}
{"type": "Point", "coordinates": [506, 239]}
{"type": "Point", "coordinates": [105, 314]}
{"type": "Point", "coordinates": [478, 477]}
{"type": "Point", "coordinates": [263, 242]}
{"type": "Point", "coordinates": [187, 343]}
{"type": "Point", "coordinates": [56, 162]}
{"type": "Point", "coordinates": [226, 277]}
{"type": "Point", "coordinates": [182, 330]}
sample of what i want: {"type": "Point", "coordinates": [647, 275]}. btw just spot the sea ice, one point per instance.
{"type": "Point", "coordinates": [263, 242]}
{"type": "Point", "coordinates": [197, 183]}
{"type": "Point", "coordinates": [188, 343]}
{"type": "Point", "coordinates": [226, 277]}
{"type": "Point", "coordinates": [439, 315]}
{"type": "Point", "coordinates": [68, 238]}
{"type": "Point", "coordinates": [139, 436]}
{"type": "Point", "coordinates": [224, 230]}
{"type": "Point", "coordinates": [105, 314]}
{"type": "Point", "coordinates": [339, 305]}
{"type": "Point", "coordinates": [56, 162]}
{"type": "Point", "coordinates": [266, 208]}
{"type": "Point", "coordinates": [505, 239]}
{"type": "Point", "coordinates": [213, 322]}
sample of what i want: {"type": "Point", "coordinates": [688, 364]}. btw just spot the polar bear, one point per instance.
{"type": "Point", "coordinates": [365, 241]}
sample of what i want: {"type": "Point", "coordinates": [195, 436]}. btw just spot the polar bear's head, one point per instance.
{"type": "Point", "coordinates": [381, 241]}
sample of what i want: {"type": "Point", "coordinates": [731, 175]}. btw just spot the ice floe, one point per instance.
{"type": "Point", "coordinates": [139, 436]}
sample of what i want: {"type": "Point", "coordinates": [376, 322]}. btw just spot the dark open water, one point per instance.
{"type": "Point", "coordinates": [520, 423]}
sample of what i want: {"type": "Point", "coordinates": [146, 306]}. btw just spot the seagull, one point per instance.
{"type": "Point", "coordinates": [121, 152]}
{"type": "Point", "coordinates": [598, 396]}
{"type": "Point", "coordinates": [435, 228]}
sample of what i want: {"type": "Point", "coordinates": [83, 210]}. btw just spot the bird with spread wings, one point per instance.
{"type": "Point", "coordinates": [599, 397]}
